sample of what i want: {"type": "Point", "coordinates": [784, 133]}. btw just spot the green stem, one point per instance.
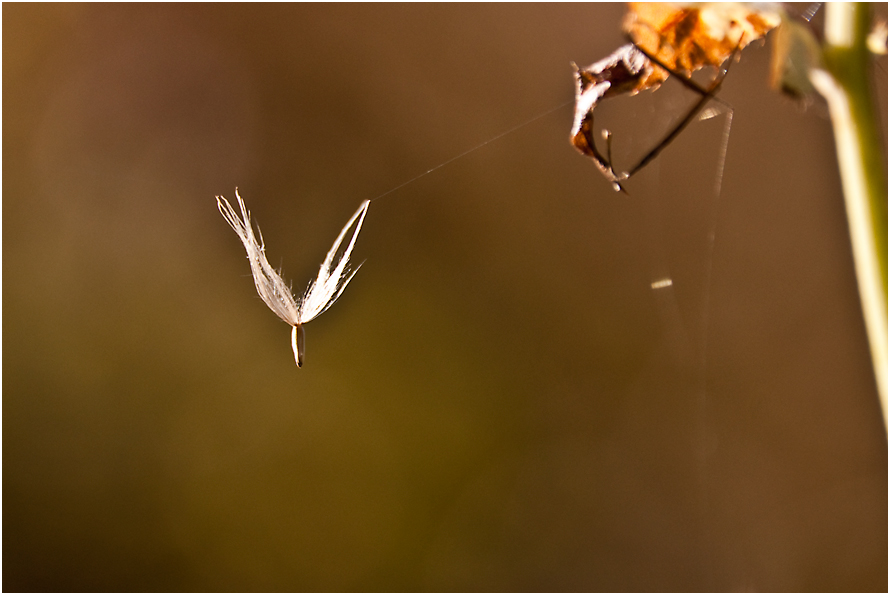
{"type": "Point", "coordinates": [861, 160]}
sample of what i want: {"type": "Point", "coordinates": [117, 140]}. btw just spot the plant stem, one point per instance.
{"type": "Point", "coordinates": [861, 160]}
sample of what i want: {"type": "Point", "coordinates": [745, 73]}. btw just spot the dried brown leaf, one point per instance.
{"type": "Point", "coordinates": [666, 39]}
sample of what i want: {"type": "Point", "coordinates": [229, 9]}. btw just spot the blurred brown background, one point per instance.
{"type": "Point", "coordinates": [500, 400]}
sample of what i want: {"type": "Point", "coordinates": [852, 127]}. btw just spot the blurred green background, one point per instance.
{"type": "Point", "coordinates": [500, 400]}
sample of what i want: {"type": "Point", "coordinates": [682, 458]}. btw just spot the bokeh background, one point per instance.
{"type": "Point", "coordinates": [500, 400]}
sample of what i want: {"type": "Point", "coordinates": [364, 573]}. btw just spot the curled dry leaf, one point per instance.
{"type": "Point", "coordinates": [665, 39]}
{"type": "Point", "coordinates": [627, 70]}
